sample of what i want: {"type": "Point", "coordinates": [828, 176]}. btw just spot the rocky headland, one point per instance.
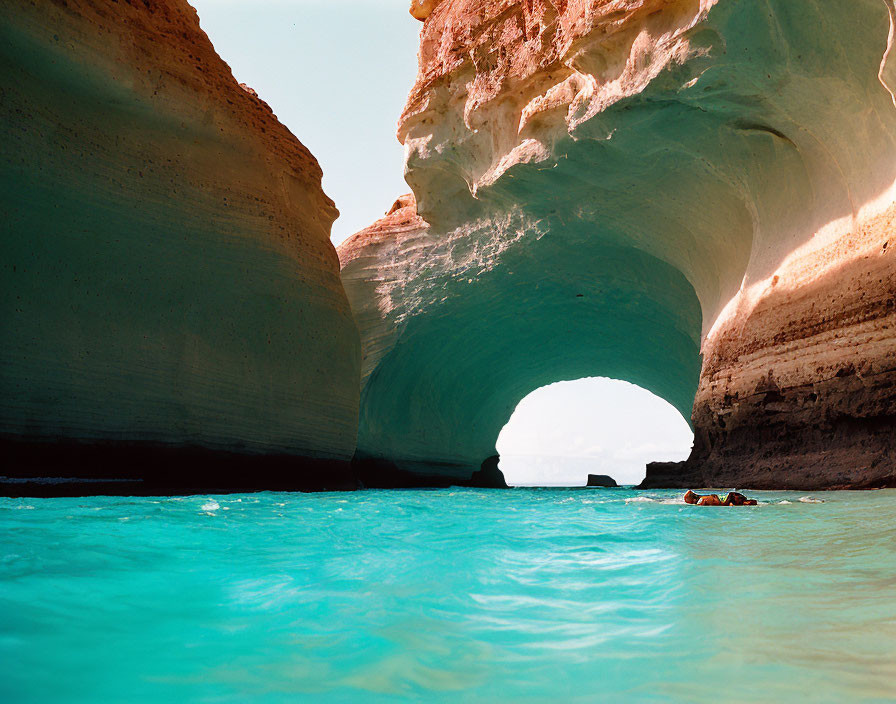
{"type": "Point", "coordinates": [693, 196]}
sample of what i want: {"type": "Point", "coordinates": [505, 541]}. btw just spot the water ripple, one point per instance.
{"type": "Point", "coordinates": [529, 595]}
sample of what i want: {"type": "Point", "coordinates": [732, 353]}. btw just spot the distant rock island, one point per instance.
{"type": "Point", "coordinates": [698, 198]}
{"type": "Point", "coordinates": [601, 480]}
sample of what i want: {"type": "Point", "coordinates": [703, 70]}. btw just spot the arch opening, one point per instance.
{"type": "Point", "coordinates": [562, 432]}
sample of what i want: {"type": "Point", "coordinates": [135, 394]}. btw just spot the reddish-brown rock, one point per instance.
{"type": "Point", "coordinates": [800, 392]}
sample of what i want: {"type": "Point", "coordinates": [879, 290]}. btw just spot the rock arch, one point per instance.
{"type": "Point", "coordinates": [669, 179]}
{"type": "Point", "coordinates": [442, 391]}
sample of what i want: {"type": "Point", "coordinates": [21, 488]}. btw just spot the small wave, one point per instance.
{"type": "Point", "coordinates": [647, 500]}
{"type": "Point", "coordinates": [785, 501]}
{"type": "Point", "coordinates": [810, 500]}
{"type": "Point", "coordinates": [211, 506]}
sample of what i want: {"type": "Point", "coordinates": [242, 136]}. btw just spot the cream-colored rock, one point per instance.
{"type": "Point", "coordinates": [610, 188]}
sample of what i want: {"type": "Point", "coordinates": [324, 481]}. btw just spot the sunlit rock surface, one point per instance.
{"type": "Point", "coordinates": [422, 9]}
{"type": "Point", "coordinates": [168, 279]}
{"type": "Point", "coordinates": [799, 390]}
{"type": "Point", "coordinates": [614, 188]}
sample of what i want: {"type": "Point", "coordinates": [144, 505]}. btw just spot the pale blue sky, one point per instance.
{"type": "Point", "coordinates": [337, 72]}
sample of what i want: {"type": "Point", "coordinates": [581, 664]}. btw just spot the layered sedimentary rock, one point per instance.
{"type": "Point", "coordinates": [642, 189]}
{"type": "Point", "coordinates": [168, 279]}
{"type": "Point", "coordinates": [799, 391]}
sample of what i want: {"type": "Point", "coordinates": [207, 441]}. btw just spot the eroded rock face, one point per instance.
{"type": "Point", "coordinates": [168, 279]}
{"type": "Point", "coordinates": [614, 188]}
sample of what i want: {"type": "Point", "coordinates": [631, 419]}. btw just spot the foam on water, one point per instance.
{"type": "Point", "coordinates": [527, 595]}
{"type": "Point", "coordinates": [654, 500]}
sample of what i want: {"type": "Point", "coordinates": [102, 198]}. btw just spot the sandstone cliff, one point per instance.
{"type": "Point", "coordinates": [168, 279]}
{"type": "Point", "coordinates": [798, 390]}
{"type": "Point", "coordinates": [692, 195]}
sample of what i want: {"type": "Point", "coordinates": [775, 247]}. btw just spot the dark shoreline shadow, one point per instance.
{"type": "Point", "coordinates": [35, 468]}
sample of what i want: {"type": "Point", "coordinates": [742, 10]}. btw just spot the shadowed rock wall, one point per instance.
{"type": "Point", "coordinates": [168, 279]}
{"type": "Point", "coordinates": [614, 189]}
{"type": "Point", "coordinates": [448, 358]}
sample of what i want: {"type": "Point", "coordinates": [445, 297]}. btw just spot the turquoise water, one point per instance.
{"type": "Point", "coordinates": [527, 595]}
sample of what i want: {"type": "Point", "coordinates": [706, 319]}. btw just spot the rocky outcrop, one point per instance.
{"type": "Point", "coordinates": [170, 293]}
{"type": "Point", "coordinates": [601, 480]}
{"type": "Point", "coordinates": [489, 476]}
{"type": "Point", "coordinates": [694, 196]}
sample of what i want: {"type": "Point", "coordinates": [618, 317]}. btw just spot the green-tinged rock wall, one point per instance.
{"type": "Point", "coordinates": [481, 339]}
{"type": "Point", "coordinates": [167, 275]}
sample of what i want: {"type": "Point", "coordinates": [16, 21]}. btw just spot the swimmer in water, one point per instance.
{"type": "Point", "coordinates": [732, 499]}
